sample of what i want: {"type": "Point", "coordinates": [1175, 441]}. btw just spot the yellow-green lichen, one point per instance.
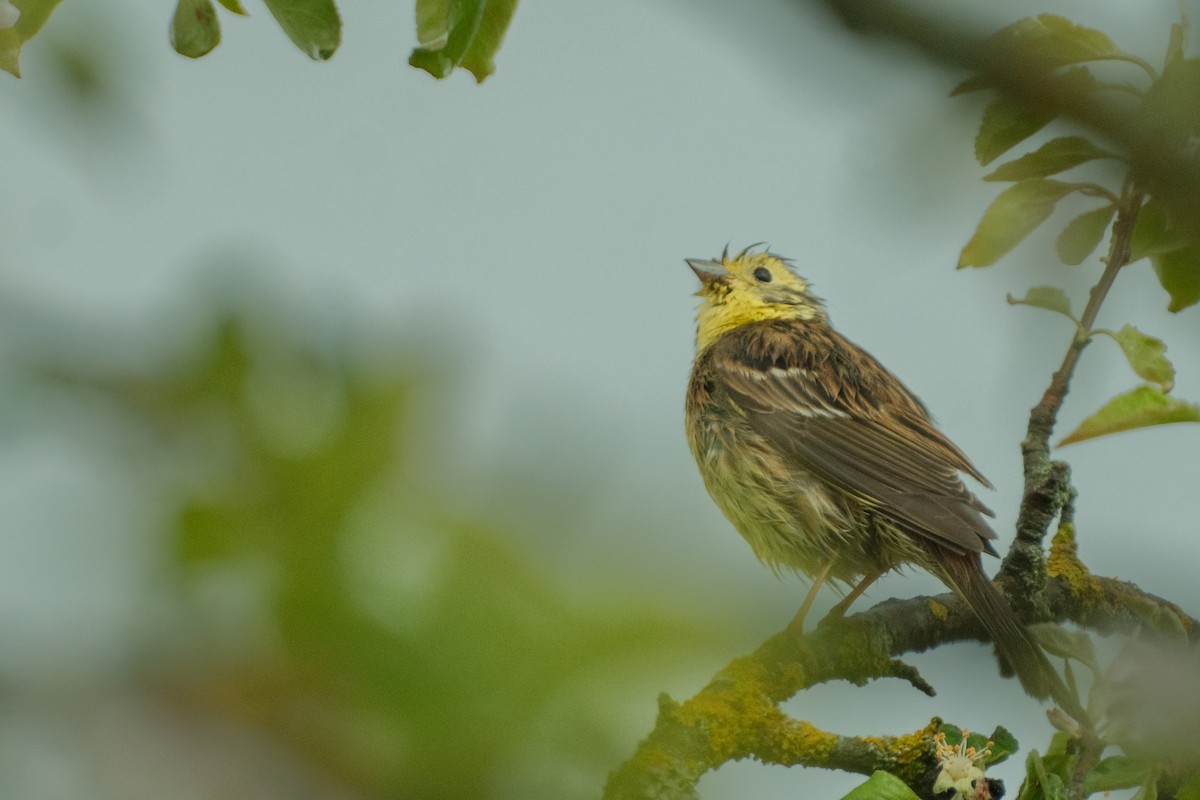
{"type": "Point", "coordinates": [740, 722]}
{"type": "Point", "coordinates": [910, 752]}
{"type": "Point", "coordinates": [804, 743]}
{"type": "Point", "coordinates": [939, 611]}
{"type": "Point", "coordinates": [1063, 563]}
{"type": "Point", "coordinates": [730, 717]}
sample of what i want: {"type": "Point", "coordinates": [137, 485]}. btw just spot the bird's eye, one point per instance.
{"type": "Point", "coordinates": [762, 275]}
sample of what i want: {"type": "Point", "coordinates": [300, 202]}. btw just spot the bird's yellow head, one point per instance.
{"type": "Point", "coordinates": [749, 287]}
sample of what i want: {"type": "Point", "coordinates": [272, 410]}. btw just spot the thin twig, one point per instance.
{"type": "Point", "coordinates": [1045, 413]}
{"type": "Point", "coordinates": [1048, 482]}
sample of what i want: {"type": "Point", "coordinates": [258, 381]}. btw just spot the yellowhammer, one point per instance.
{"type": "Point", "coordinates": [823, 460]}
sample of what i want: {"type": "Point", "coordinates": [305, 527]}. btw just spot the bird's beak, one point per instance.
{"type": "Point", "coordinates": [707, 271]}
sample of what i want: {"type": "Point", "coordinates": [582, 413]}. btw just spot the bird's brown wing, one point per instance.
{"type": "Point", "coordinates": [846, 419]}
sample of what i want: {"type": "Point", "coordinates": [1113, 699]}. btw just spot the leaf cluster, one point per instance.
{"type": "Point", "coordinates": [1163, 104]}
{"type": "Point", "coordinates": [450, 33]}
{"type": "Point", "coordinates": [314, 26]}
{"type": "Point", "coordinates": [1072, 767]}
{"type": "Point", "coordinates": [398, 648]}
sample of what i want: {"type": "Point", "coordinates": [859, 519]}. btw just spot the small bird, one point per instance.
{"type": "Point", "coordinates": [824, 461]}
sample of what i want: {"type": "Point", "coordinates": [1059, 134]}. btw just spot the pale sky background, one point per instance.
{"type": "Point", "coordinates": [537, 225]}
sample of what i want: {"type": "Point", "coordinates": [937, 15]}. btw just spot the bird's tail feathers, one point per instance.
{"type": "Point", "coordinates": [1016, 644]}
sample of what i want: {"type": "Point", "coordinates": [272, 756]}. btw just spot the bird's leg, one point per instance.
{"type": "Point", "coordinates": [843, 604]}
{"type": "Point", "coordinates": [797, 623]}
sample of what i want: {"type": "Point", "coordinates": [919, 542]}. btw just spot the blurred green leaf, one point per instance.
{"type": "Point", "coordinates": [357, 618]}
{"type": "Point", "coordinates": [1140, 408]}
{"type": "Point", "coordinates": [1083, 234]}
{"type": "Point", "coordinates": [1048, 297]}
{"type": "Point", "coordinates": [1155, 232]}
{"type": "Point", "coordinates": [1159, 618]}
{"type": "Point", "coordinates": [34, 14]}
{"type": "Point", "coordinates": [1178, 272]}
{"type": "Point", "coordinates": [1056, 41]}
{"type": "Point", "coordinates": [1115, 772]}
{"type": "Point", "coordinates": [1041, 783]}
{"type": "Point", "coordinates": [460, 33]}
{"type": "Point", "coordinates": [1171, 107]}
{"type": "Point", "coordinates": [314, 26]}
{"type": "Point", "coordinates": [1060, 743]}
{"type": "Point", "coordinates": [1190, 790]}
{"type": "Point", "coordinates": [206, 534]}
{"type": "Point", "coordinates": [1007, 122]}
{"type": "Point", "coordinates": [1064, 643]}
{"type": "Point", "coordinates": [881, 786]}
{"type": "Point", "coordinates": [1046, 41]}
{"type": "Point", "coordinates": [1175, 45]}
{"type": "Point", "coordinates": [1004, 744]}
{"type": "Point", "coordinates": [195, 30]}
{"type": "Point", "coordinates": [1174, 250]}
{"type": "Point", "coordinates": [1146, 354]}
{"type": "Point", "coordinates": [975, 83]}
{"type": "Point", "coordinates": [1012, 216]}
{"type": "Point", "coordinates": [1056, 155]}
{"type": "Point", "coordinates": [234, 6]}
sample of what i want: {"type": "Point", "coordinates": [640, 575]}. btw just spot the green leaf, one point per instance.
{"type": "Point", "coordinates": [1048, 297]}
{"type": "Point", "coordinates": [974, 83]}
{"type": "Point", "coordinates": [480, 57]}
{"type": "Point", "coordinates": [1004, 744]}
{"type": "Point", "coordinates": [1175, 45]}
{"type": "Point", "coordinates": [1083, 234]}
{"type": "Point", "coordinates": [1012, 216]}
{"type": "Point", "coordinates": [1055, 41]}
{"type": "Point", "coordinates": [1040, 783]}
{"type": "Point", "coordinates": [1178, 272]}
{"type": "Point", "coordinates": [313, 25]}
{"type": "Point", "coordinates": [1140, 408]}
{"type": "Point", "coordinates": [234, 6]}
{"type": "Point", "coordinates": [1115, 772]}
{"type": "Point", "coordinates": [1001, 743]}
{"type": "Point", "coordinates": [433, 23]}
{"type": "Point", "coordinates": [1170, 112]}
{"type": "Point", "coordinates": [1008, 122]}
{"type": "Point", "coordinates": [1161, 620]}
{"type": "Point", "coordinates": [444, 32]}
{"type": "Point", "coordinates": [1064, 643]}
{"type": "Point", "coordinates": [1051, 158]}
{"type": "Point", "coordinates": [460, 33]}
{"type": "Point", "coordinates": [1146, 354]}
{"type": "Point", "coordinates": [1046, 41]}
{"type": "Point", "coordinates": [881, 786]}
{"type": "Point", "coordinates": [1059, 744]}
{"type": "Point", "coordinates": [1190, 790]}
{"type": "Point", "coordinates": [195, 30]}
{"type": "Point", "coordinates": [1174, 250]}
{"type": "Point", "coordinates": [1156, 232]}
{"type": "Point", "coordinates": [34, 14]}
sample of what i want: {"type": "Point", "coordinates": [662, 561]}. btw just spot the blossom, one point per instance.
{"type": "Point", "coordinates": [961, 767]}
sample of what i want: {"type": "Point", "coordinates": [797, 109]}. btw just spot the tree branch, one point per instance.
{"type": "Point", "coordinates": [737, 715]}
